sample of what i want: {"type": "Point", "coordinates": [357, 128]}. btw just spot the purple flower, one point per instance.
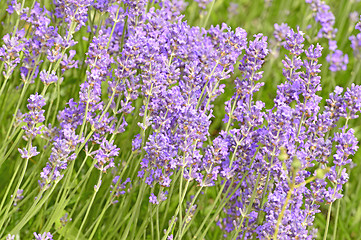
{"type": "Point", "coordinates": [68, 62]}
{"type": "Point", "coordinates": [118, 187]}
{"type": "Point", "coordinates": [354, 17]}
{"type": "Point", "coordinates": [34, 116]}
{"type": "Point", "coordinates": [14, 6]}
{"type": "Point", "coordinates": [338, 61]}
{"type": "Point", "coordinates": [28, 154]}
{"type": "Point", "coordinates": [65, 219]}
{"type": "Point", "coordinates": [104, 155]}
{"type": "Point", "coordinates": [49, 78]}
{"type": "Point", "coordinates": [346, 145]}
{"type": "Point", "coordinates": [136, 142]}
{"type": "Point", "coordinates": [203, 3]}
{"type": "Point", "coordinates": [281, 32]}
{"type": "Point", "coordinates": [324, 17]}
{"type": "Point", "coordinates": [233, 9]}
{"type": "Point", "coordinates": [44, 236]}
{"type": "Point", "coordinates": [10, 51]}
{"type": "Point", "coordinates": [63, 146]}
{"type": "Point", "coordinates": [18, 197]}
{"type": "Point", "coordinates": [356, 45]}
{"type": "Point", "coordinates": [352, 99]}
{"type": "Point", "coordinates": [10, 237]}
{"type": "Point", "coordinates": [153, 199]}
{"type": "Point", "coordinates": [97, 186]}
{"type": "Point", "coordinates": [358, 25]}
{"type": "Point", "coordinates": [73, 11]}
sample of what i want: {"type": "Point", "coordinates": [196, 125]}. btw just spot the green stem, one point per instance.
{"type": "Point", "coordinates": [8, 188]}
{"type": "Point", "coordinates": [90, 204]}
{"type": "Point", "coordinates": [205, 85]}
{"type": "Point", "coordinates": [110, 198]}
{"type": "Point", "coordinates": [285, 205]}
{"type": "Point", "coordinates": [135, 211]}
{"type": "Point", "coordinates": [209, 14]}
{"type": "Point", "coordinates": [225, 200]}
{"type": "Point", "coordinates": [16, 110]}
{"type": "Point", "coordinates": [231, 114]}
{"type": "Point", "coordinates": [5, 216]}
{"type": "Point", "coordinates": [168, 202]}
{"type": "Point", "coordinates": [177, 210]}
{"type": "Point", "coordinates": [330, 206]}
{"type": "Point", "coordinates": [334, 235]}
{"type": "Point", "coordinates": [116, 20]}
{"type": "Point", "coordinates": [4, 85]}
{"type": "Point", "coordinates": [249, 207]}
{"type": "Point", "coordinates": [34, 209]}
{"type": "Point", "coordinates": [327, 221]}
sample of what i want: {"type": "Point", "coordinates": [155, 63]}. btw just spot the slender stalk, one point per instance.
{"type": "Point", "coordinates": [327, 221]}
{"type": "Point", "coordinates": [9, 186]}
{"type": "Point", "coordinates": [34, 208]}
{"type": "Point", "coordinates": [330, 206]}
{"type": "Point", "coordinates": [135, 211]}
{"type": "Point", "coordinates": [5, 216]}
{"type": "Point", "coordinates": [334, 235]}
{"type": "Point", "coordinates": [90, 204]}
{"type": "Point", "coordinates": [109, 199]}
{"type": "Point", "coordinates": [284, 207]}
{"type": "Point", "coordinates": [209, 14]}
{"type": "Point", "coordinates": [231, 114]}
{"type": "Point", "coordinates": [157, 222]}
{"type": "Point", "coordinates": [249, 207]}
{"type": "Point", "coordinates": [168, 202]}
{"type": "Point", "coordinates": [177, 210]}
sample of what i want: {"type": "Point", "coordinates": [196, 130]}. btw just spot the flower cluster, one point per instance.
{"type": "Point", "coordinates": [146, 113]}
{"type": "Point", "coordinates": [10, 51]}
{"type": "Point", "coordinates": [44, 236]}
{"type": "Point", "coordinates": [293, 141]}
{"type": "Point", "coordinates": [33, 127]}
{"type": "Point", "coordinates": [356, 41]}
{"type": "Point", "coordinates": [118, 188]}
{"type": "Point", "coordinates": [324, 16]}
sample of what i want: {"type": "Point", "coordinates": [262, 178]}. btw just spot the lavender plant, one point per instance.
{"type": "Point", "coordinates": [140, 124]}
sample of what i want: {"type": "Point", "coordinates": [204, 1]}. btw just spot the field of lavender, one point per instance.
{"type": "Point", "coordinates": [180, 119]}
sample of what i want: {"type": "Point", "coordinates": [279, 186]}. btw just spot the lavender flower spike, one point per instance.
{"type": "Point", "coordinates": [44, 236]}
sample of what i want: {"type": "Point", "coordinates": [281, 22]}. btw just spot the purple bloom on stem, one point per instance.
{"type": "Point", "coordinates": [118, 187]}
{"type": "Point", "coordinates": [68, 62]}
{"type": "Point", "coordinates": [233, 9]}
{"type": "Point", "coordinates": [65, 219]}
{"type": "Point", "coordinates": [10, 51]}
{"type": "Point", "coordinates": [338, 61]}
{"type": "Point", "coordinates": [358, 25]}
{"type": "Point", "coordinates": [153, 199]}
{"type": "Point", "coordinates": [28, 154]}
{"type": "Point", "coordinates": [48, 78]}
{"type": "Point", "coordinates": [34, 116]}
{"type": "Point", "coordinates": [354, 16]}
{"type": "Point", "coordinates": [104, 155]}
{"type": "Point", "coordinates": [203, 3]}
{"type": "Point", "coordinates": [324, 17]}
{"type": "Point", "coordinates": [10, 237]}
{"type": "Point", "coordinates": [281, 32]}
{"type": "Point", "coordinates": [356, 45]}
{"type": "Point", "coordinates": [44, 236]}
{"type": "Point", "coordinates": [18, 197]}
{"type": "Point", "coordinates": [73, 10]}
{"type": "Point", "coordinates": [352, 99]}
{"type": "Point", "coordinates": [346, 145]}
{"type": "Point", "coordinates": [14, 6]}
{"type": "Point", "coordinates": [136, 143]}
